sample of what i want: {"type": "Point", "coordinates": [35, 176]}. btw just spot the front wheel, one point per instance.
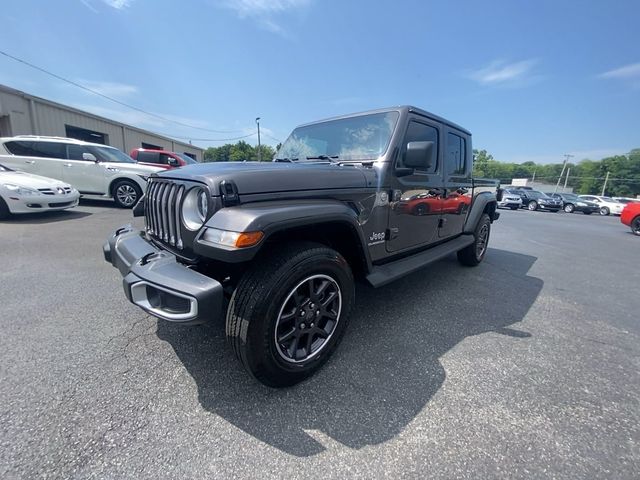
{"type": "Point", "coordinates": [532, 206]}
{"type": "Point", "coordinates": [569, 208]}
{"type": "Point", "coordinates": [289, 312]}
{"type": "Point", "coordinates": [605, 211]}
{"type": "Point", "coordinates": [635, 225]}
{"type": "Point", "coordinates": [474, 253]}
{"type": "Point", "coordinates": [126, 193]}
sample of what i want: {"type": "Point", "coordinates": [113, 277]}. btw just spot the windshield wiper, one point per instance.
{"type": "Point", "coordinates": [285, 160]}
{"type": "Point", "coordinates": [331, 158]}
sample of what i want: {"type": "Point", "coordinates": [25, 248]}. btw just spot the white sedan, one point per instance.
{"type": "Point", "coordinates": [26, 193]}
{"type": "Point", "coordinates": [607, 204]}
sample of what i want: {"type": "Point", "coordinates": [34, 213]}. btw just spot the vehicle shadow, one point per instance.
{"type": "Point", "coordinates": [387, 367]}
{"type": "Point", "coordinates": [44, 217]}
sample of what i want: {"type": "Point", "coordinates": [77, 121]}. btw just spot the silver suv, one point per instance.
{"type": "Point", "coordinates": [93, 169]}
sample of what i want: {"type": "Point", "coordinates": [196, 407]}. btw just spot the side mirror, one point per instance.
{"type": "Point", "coordinates": [419, 155]}
{"type": "Point", "coordinates": [173, 162]}
{"type": "Point", "coordinates": [90, 157]}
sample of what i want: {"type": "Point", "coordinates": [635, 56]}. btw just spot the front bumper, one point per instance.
{"type": "Point", "coordinates": [155, 281]}
{"type": "Point", "coordinates": [42, 203]}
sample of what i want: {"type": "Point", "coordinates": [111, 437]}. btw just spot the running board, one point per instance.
{"type": "Point", "coordinates": [382, 274]}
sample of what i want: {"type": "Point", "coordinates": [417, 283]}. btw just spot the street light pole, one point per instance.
{"type": "Point", "coordinates": [259, 149]}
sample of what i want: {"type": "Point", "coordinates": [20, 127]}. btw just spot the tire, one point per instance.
{"type": "Point", "coordinates": [275, 293]}
{"type": "Point", "coordinates": [635, 225]}
{"type": "Point", "coordinates": [532, 206]}
{"type": "Point", "coordinates": [604, 211]}
{"type": "Point", "coordinates": [421, 209]}
{"type": "Point", "coordinates": [4, 209]}
{"type": "Point", "coordinates": [126, 193]}
{"type": "Point", "coordinates": [475, 253]}
{"type": "Point", "coordinates": [569, 208]}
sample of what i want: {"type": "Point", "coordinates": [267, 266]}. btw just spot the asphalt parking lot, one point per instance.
{"type": "Point", "coordinates": [524, 367]}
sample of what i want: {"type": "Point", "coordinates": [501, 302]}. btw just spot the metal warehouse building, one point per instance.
{"type": "Point", "coordinates": [24, 114]}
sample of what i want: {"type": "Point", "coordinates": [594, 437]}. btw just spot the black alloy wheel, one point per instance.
{"type": "Point", "coordinates": [308, 318]}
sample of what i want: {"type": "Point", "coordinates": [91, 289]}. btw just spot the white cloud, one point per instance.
{"type": "Point", "coordinates": [110, 89]}
{"type": "Point", "coordinates": [118, 4]}
{"type": "Point", "coordinates": [264, 12]}
{"type": "Point", "coordinates": [500, 72]}
{"type": "Point", "coordinates": [627, 72]}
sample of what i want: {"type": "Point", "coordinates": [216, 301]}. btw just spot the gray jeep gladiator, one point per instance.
{"type": "Point", "coordinates": [275, 247]}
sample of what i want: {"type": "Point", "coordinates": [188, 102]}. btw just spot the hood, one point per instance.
{"type": "Point", "coordinates": [29, 180]}
{"type": "Point", "coordinates": [133, 167]}
{"type": "Point", "coordinates": [268, 177]}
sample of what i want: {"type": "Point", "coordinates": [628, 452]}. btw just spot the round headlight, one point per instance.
{"type": "Point", "coordinates": [195, 208]}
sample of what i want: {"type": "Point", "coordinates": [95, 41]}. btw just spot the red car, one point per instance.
{"type": "Point", "coordinates": [631, 216]}
{"type": "Point", "coordinates": [161, 158]}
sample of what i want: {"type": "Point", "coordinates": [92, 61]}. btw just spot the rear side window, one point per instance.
{"type": "Point", "coordinates": [419, 132]}
{"type": "Point", "coordinates": [148, 157]}
{"type": "Point", "coordinates": [164, 158]}
{"type": "Point", "coordinates": [455, 154]}
{"type": "Point", "coordinates": [20, 148]}
{"type": "Point", "coordinates": [49, 149]}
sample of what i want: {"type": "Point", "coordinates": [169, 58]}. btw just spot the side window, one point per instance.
{"type": "Point", "coordinates": [20, 148]}
{"type": "Point", "coordinates": [49, 149]}
{"type": "Point", "coordinates": [164, 158]}
{"type": "Point", "coordinates": [148, 157]}
{"type": "Point", "coordinates": [419, 132]}
{"type": "Point", "coordinates": [455, 155]}
{"type": "Point", "coordinates": [74, 152]}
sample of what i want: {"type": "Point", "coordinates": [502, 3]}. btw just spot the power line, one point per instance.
{"type": "Point", "coordinates": [75, 84]}
{"type": "Point", "coordinates": [180, 137]}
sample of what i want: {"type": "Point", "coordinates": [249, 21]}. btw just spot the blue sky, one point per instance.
{"type": "Point", "coordinates": [531, 80]}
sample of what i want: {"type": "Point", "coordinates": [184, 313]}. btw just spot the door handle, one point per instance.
{"type": "Point", "coordinates": [30, 162]}
{"type": "Point", "coordinates": [68, 165]}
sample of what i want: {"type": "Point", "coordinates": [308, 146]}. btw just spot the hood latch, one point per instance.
{"type": "Point", "coordinates": [229, 193]}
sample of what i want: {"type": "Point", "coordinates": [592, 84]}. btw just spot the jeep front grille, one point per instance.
{"type": "Point", "coordinates": [162, 211]}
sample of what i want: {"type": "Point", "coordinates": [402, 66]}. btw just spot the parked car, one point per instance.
{"type": "Point", "coordinates": [626, 200]}
{"type": "Point", "coordinates": [274, 247]}
{"type": "Point", "coordinates": [535, 200]}
{"type": "Point", "coordinates": [607, 204]}
{"type": "Point", "coordinates": [631, 216]}
{"type": "Point", "coordinates": [510, 199]}
{"type": "Point", "coordinates": [93, 169]}
{"type": "Point", "coordinates": [27, 193]}
{"type": "Point", "coordinates": [573, 203]}
{"type": "Point", "coordinates": [161, 158]}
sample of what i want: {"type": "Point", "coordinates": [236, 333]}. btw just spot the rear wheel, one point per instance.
{"type": "Point", "coordinates": [569, 208]}
{"type": "Point", "coordinates": [533, 206]}
{"type": "Point", "coordinates": [4, 209]}
{"type": "Point", "coordinates": [126, 193]}
{"type": "Point", "coordinates": [289, 312]}
{"type": "Point", "coordinates": [604, 211]}
{"type": "Point", "coordinates": [635, 225]}
{"type": "Point", "coordinates": [474, 253]}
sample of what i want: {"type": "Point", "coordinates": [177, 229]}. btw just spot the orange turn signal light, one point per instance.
{"type": "Point", "coordinates": [248, 239]}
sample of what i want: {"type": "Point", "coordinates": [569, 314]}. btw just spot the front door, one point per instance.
{"type": "Point", "coordinates": [416, 199]}
{"type": "Point", "coordinates": [87, 176]}
{"type": "Point", "coordinates": [458, 187]}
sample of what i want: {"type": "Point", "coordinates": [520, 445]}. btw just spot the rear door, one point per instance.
{"type": "Point", "coordinates": [416, 201]}
{"type": "Point", "coordinates": [458, 187]}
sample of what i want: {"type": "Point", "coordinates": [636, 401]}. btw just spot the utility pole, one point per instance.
{"type": "Point", "coordinates": [566, 179]}
{"type": "Point", "coordinates": [259, 149]}
{"type": "Point", "coordinates": [534, 177]}
{"type": "Point", "coordinates": [604, 187]}
{"type": "Point", "coordinates": [564, 165]}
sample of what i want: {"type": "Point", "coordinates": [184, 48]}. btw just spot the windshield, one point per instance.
{"type": "Point", "coordinates": [571, 196]}
{"type": "Point", "coordinates": [107, 154]}
{"type": "Point", "coordinates": [354, 138]}
{"type": "Point", "coordinates": [188, 160]}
